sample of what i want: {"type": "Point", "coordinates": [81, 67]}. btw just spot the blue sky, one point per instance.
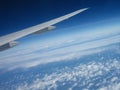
{"type": "Point", "coordinates": [16, 15]}
{"type": "Point", "coordinates": [93, 32]}
{"type": "Point", "coordinates": [100, 22]}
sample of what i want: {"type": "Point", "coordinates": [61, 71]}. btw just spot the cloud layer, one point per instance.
{"type": "Point", "coordinates": [90, 76]}
{"type": "Point", "coordinates": [31, 57]}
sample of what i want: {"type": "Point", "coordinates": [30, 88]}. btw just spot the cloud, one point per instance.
{"type": "Point", "coordinates": [114, 86]}
{"type": "Point", "coordinates": [84, 76]}
{"type": "Point", "coordinates": [31, 57]}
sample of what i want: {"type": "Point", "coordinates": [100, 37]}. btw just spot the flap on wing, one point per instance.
{"type": "Point", "coordinates": [45, 30]}
{"type": "Point", "coordinates": [8, 45]}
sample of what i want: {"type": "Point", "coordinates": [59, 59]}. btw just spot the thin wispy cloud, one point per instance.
{"type": "Point", "coordinates": [59, 49]}
{"type": "Point", "coordinates": [32, 59]}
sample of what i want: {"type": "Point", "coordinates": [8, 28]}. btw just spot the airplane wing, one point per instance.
{"type": "Point", "coordinates": [8, 41]}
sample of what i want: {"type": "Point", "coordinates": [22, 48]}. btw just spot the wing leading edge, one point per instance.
{"type": "Point", "coordinates": [7, 39]}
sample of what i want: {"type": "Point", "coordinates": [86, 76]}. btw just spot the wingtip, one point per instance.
{"type": "Point", "coordinates": [86, 8]}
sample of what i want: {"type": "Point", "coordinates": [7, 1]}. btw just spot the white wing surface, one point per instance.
{"type": "Point", "coordinates": [8, 41]}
